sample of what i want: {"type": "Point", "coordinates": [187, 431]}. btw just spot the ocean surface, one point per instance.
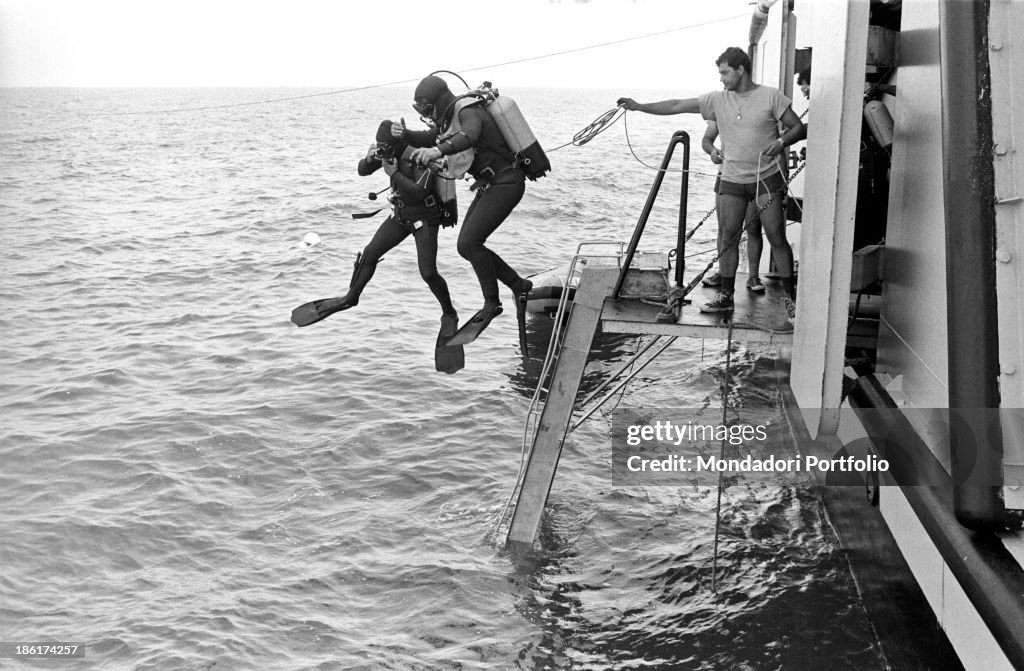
{"type": "Point", "coordinates": [189, 481]}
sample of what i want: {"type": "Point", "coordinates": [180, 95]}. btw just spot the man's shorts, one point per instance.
{"type": "Point", "coordinates": [774, 184]}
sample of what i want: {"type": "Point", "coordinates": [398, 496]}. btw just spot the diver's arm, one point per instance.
{"type": "Point", "coordinates": [420, 138]}
{"type": "Point", "coordinates": [367, 167]}
{"type": "Point", "coordinates": [468, 136]}
{"type": "Point", "coordinates": [662, 107]}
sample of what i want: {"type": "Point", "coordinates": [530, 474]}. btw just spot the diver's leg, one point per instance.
{"type": "Point", "coordinates": [487, 212]}
{"type": "Point", "coordinates": [426, 257]}
{"type": "Point", "coordinates": [388, 236]}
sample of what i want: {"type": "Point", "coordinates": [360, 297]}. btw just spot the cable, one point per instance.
{"type": "Point", "coordinates": [411, 80]}
{"type": "Point", "coordinates": [266, 101]}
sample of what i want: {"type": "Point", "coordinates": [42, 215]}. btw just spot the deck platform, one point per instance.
{"type": "Point", "coordinates": [756, 317]}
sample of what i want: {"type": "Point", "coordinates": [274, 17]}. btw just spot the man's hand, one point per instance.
{"type": "Point", "coordinates": [775, 148]}
{"type": "Point", "coordinates": [390, 167]}
{"type": "Point", "coordinates": [717, 156]}
{"type": "Point", "coordinates": [628, 103]}
{"type": "Point", "coordinates": [425, 155]}
{"type": "Point", "coordinates": [371, 153]}
{"type": "Point", "coordinates": [398, 128]}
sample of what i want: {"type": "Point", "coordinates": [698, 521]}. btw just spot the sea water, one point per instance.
{"type": "Point", "coordinates": [189, 481]}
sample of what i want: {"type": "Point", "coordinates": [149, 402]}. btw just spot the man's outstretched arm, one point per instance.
{"type": "Point", "coordinates": [662, 107]}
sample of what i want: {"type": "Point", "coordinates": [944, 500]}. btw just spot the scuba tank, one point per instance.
{"type": "Point", "coordinates": [444, 190]}
{"type": "Point", "coordinates": [529, 155]}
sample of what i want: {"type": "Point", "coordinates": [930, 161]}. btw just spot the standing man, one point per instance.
{"type": "Point", "coordinates": [462, 131]}
{"type": "Point", "coordinates": [748, 116]}
{"type": "Point", "coordinates": [755, 242]}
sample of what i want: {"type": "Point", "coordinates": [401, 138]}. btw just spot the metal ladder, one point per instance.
{"type": "Point", "coordinates": [552, 406]}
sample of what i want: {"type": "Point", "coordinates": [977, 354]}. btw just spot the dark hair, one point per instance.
{"type": "Point", "coordinates": [804, 77]}
{"type": "Point", "coordinates": [734, 57]}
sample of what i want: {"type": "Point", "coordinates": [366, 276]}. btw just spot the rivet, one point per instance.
{"type": "Point", "coordinates": [1003, 256]}
{"type": "Point", "coordinates": [999, 149]}
{"type": "Point", "coordinates": [1008, 369]}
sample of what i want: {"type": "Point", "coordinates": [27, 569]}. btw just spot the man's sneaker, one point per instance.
{"type": "Point", "coordinates": [712, 280]}
{"type": "Point", "coordinates": [790, 306]}
{"type": "Point", "coordinates": [721, 303]}
{"type": "Point", "coordinates": [754, 284]}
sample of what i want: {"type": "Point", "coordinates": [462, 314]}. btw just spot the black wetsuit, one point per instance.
{"type": "Point", "coordinates": [408, 197]}
{"type": "Point", "coordinates": [499, 189]}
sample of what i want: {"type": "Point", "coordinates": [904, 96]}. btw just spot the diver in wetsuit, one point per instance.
{"type": "Point", "coordinates": [417, 211]}
{"type": "Point", "coordinates": [457, 126]}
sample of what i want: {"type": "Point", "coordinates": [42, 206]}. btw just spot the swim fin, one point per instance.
{"type": "Point", "coordinates": [448, 358]}
{"type": "Point", "coordinates": [472, 329]}
{"type": "Point", "coordinates": [314, 311]}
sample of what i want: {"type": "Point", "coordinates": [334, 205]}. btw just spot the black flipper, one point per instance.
{"type": "Point", "coordinates": [448, 358]}
{"type": "Point", "coordinates": [472, 329]}
{"type": "Point", "coordinates": [314, 311]}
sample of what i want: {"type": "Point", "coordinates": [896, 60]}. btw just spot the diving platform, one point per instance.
{"type": "Point", "coordinates": [756, 317]}
{"type": "Point", "coordinates": [616, 298]}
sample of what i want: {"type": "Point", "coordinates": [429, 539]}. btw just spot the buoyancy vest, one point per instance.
{"type": "Point", "coordinates": [456, 165]}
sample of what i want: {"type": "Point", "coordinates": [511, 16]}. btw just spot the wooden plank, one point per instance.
{"type": "Point", "coordinates": [595, 285]}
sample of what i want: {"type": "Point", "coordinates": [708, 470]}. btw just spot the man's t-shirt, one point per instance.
{"type": "Point", "coordinates": [747, 124]}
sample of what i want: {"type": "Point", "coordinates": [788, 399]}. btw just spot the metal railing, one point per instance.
{"type": "Point", "coordinates": [679, 137]}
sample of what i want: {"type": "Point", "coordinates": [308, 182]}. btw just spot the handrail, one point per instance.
{"type": "Point", "coordinates": [679, 137]}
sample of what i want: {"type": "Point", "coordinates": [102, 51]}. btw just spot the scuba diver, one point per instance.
{"type": "Point", "coordinates": [465, 135]}
{"type": "Point", "coordinates": [419, 211]}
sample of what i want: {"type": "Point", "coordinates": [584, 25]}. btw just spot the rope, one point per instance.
{"type": "Point", "coordinates": [594, 128]}
{"type": "Point", "coordinates": [601, 124]}
{"type": "Point", "coordinates": [725, 419]}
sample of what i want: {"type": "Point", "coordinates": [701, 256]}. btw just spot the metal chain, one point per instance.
{"type": "Point", "coordinates": [735, 240]}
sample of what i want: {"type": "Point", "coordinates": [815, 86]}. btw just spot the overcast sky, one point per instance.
{"type": "Point", "coordinates": [339, 43]}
